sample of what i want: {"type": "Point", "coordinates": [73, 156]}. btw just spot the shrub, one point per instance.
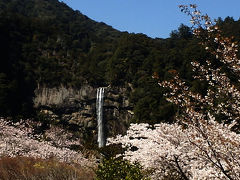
{"type": "Point", "coordinates": [117, 169]}
{"type": "Point", "coordinates": [38, 169]}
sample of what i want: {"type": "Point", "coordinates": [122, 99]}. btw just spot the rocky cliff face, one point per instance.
{"type": "Point", "coordinates": [78, 107]}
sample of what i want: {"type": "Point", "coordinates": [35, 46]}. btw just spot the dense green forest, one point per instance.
{"type": "Point", "coordinates": [46, 43]}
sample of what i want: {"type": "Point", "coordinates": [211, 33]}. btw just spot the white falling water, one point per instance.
{"type": "Point", "coordinates": [99, 107]}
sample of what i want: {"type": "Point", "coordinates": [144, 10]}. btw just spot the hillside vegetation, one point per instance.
{"type": "Point", "coordinates": [46, 43]}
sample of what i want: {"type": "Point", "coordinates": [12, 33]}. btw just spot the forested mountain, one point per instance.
{"type": "Point", "coordinates": [46, 43]}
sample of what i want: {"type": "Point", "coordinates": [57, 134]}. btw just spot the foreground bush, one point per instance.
{"type": "Point", "coordinates": [24, 168]}
{"type": "Point", "coordinates": [117, 169]}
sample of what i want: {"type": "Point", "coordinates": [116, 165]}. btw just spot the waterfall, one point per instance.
{"type": "Point", "coordinates": [99, 108]}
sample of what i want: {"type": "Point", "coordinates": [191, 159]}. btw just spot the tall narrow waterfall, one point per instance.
{"type": "Point", "coordinates": [99, 107]}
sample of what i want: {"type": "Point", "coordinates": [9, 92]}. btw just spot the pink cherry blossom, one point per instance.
{"type": "Point", "coordinates": [197, 146]}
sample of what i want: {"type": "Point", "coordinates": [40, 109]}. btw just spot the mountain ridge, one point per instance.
{"type": "Point", "coordinates": [47, 44]}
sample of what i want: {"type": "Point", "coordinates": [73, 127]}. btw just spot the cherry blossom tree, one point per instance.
{"type": "Point", "coordinates": [19, 139]}
{"type": "Point", "coordinates": [200, 145]}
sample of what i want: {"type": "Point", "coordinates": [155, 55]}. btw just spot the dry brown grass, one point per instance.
{"type": "Point", "coordinates": [24, 168]}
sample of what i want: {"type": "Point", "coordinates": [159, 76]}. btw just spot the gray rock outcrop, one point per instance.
{"type": "Point", "coordinates": [78, 107]}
